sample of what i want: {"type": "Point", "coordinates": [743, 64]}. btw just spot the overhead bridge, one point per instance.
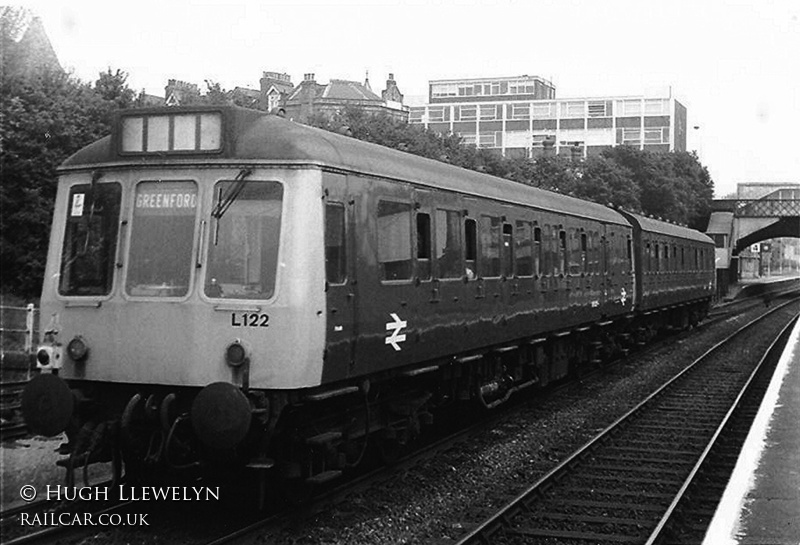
{"type": "Point", "coordinates": [761, 212]}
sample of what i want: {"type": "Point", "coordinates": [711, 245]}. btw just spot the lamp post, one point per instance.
{"type": "Point", "coordinates": [697, 146]}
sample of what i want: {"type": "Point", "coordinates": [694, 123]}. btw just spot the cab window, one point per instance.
{"type": "Point", "coordinates": [90, 240]}
{"type": "Point", "coordinates": [162, 237]}
{"type": "Point", "coordinates": [243, 243]}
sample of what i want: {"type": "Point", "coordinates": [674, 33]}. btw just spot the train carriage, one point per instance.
{"type": "Point", "coordinates": [241, 287]}
{"type": "Point", "coordinates": [673, 266]}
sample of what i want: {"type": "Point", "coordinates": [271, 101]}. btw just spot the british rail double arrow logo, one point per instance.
{"type": "Point", "coordinates": [395, 327]}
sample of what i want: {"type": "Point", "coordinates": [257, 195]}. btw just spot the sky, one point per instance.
{"type": "Point", "coordinates": [734, 64]}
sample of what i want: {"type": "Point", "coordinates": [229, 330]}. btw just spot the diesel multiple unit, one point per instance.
{"type": "Point", "coordinates": [226, 287]}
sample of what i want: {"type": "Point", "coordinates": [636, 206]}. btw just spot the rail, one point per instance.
{"type": "Point", "coordinates": [677, 410]}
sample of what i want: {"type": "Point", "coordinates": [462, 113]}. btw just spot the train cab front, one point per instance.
{"type": "Point", "coordinates": [180, 296]}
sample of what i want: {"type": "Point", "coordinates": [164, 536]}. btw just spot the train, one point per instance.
{"type": "Point", "coordinates": [227, 288]}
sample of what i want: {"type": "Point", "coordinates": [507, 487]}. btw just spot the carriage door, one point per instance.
{"type": "Point", "coordinates": [340, 278]}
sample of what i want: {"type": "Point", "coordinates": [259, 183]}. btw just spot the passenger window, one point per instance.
{"type": "Point", "coordinates": [523, 249]}
{"type": "Point", "coordinates": [537, 251]}
{"type": "Point", "coordinates": [629, 253]}
{"type": "Point", "coordinates": [423, 246]}
{"type": "Point", "coordinates": [573, 249]}
{"type": "Point", "coordinates": [471, 247]}
{"type": "Point", "coordinates": [448, 243]}
{"type": "Point", "coordinates": [490, 246]}
{"type": "Point", "coordinates": [335, 257]}
{"type": "Point", "coordinates": [562, 250]}
{"type": "Point", "coordinates": [508, 250]}
{"type": "Point", "coordinates": [584, 253]}
{"type": "Point", "coordinates": [550, 251]}
{"type": "Point", "coordinates": [394, 240]}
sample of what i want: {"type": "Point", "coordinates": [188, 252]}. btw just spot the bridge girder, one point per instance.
{"type": "Point", "coordinates": [752, 230]}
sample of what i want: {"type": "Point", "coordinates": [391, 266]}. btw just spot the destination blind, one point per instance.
{"type": "Point", "coordinates": [166, 198]}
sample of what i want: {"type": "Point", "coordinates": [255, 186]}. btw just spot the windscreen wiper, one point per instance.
{"type": "Point", "coordinates": [225, 202]}
{"type": "Point", "coordinates": [232, 194]}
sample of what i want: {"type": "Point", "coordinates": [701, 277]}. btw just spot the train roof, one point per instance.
{"type": "Point", "coordinates": [253, 135]}
{"type": "Point", "coordinates": [651, 225]}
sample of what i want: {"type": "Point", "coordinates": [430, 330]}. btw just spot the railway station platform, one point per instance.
{"type": "Point", "coordinates": [761, 503]}
{"type": "Point", "coordinates": [747, 287]}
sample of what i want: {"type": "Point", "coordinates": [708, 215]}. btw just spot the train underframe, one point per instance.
{"type": "Point", "coordinates": [302, 439]}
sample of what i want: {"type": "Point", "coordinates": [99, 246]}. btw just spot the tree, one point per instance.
{"type": "Point", "coordinates": [112, 86]}
{"type": "Point", "coordinates": [215, 94]}
{"type": "Point", "coordinates": [45, 116]}
{"type": "Point", "coordinates": [672, 186]}
{"type": "Point", "coordinates": [604, 181]}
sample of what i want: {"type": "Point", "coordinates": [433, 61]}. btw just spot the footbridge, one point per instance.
{"type": "Point", "coordinates": [760, 212]}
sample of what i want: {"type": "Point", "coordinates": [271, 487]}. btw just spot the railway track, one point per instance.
{"type": "Point", "coordinates": [12, 425]}
{"type": "Point", "coordinates": [629, 483]}
{"type": "Point", "coordinates": [377, 477]}
{"type": "Point", "coordinates": [259, 524]}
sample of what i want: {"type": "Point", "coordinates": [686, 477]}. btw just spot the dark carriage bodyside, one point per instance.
{"type": "Point", "coordinates": [674, 264]}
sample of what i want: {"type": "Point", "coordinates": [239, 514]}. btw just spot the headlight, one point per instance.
{"type": "Point", "coordinates": [49, 356]}
{"type": "Point", "coordinates": [44, 355]}
{"type": "Point", "coordinates": [78, 349]}
{"type": "Point", "coordinates": [236, 354]}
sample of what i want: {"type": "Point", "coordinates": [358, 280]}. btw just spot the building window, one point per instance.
{"type": "Point", "coordinates": [544, 110]}
{"type": "Point", "coordinates": [601, 108]}
{"type": "Point", "coordinates": [444, 90]}
{"type": "Point", "coordinates": [468, 113]}
{"type": "Point", "coordinates": [629, 107]}
{"type": "Point", "coordinates": [573, 109]}
{"type": "Point", "coordinates": [539, 139]}
{"type": "Point", "coordinates": [629, 137]}
{"type": "Point", "coordinates": [436, 115]}
{"type": "Point", "coordinates": [416, 115]}
{"type": "Point", "coordinates": [520, 111]}
{"type": "Point", "coordinates": [652, 136]}
{"type": "Point", "coordinates": [488, 112]}
{"type": "Point", "coordinates": [521, 88]}
{"type": "Point", "coordinates": [469, 139]}
{"type": "Point", "coordinates": [490, 139]}
{"type": "Point", "coordinates": [656, 107]}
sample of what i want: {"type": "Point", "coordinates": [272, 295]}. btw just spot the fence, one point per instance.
{"type": "Point", "coordinates": [17, 334]}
